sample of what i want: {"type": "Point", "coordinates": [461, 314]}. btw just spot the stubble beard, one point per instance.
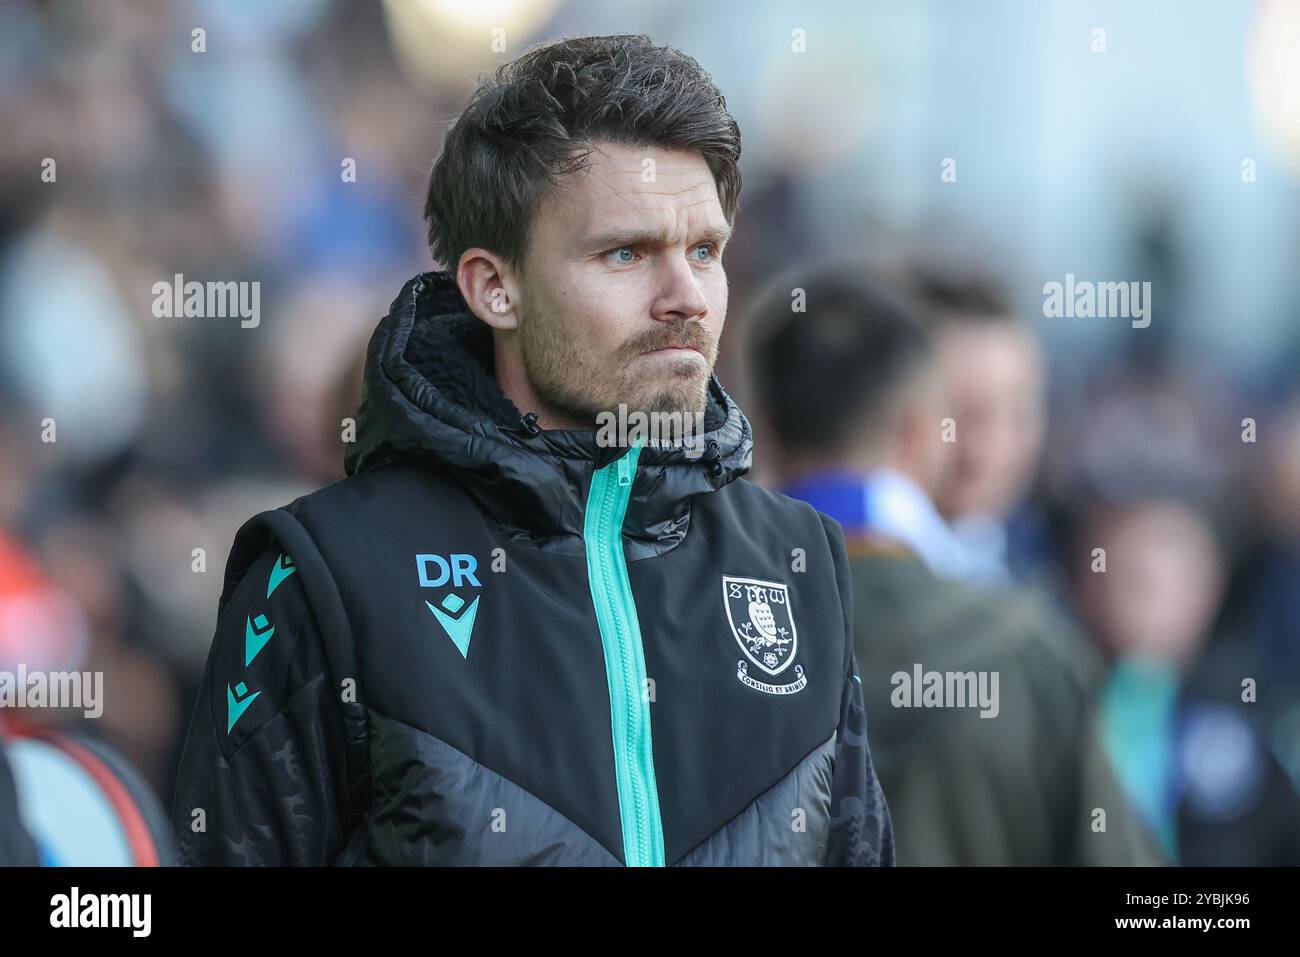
{"type": "Point", "coordinates": [564, 378]}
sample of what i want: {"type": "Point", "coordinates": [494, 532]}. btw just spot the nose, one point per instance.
{"type": "Point", "coordinates": [680, 298]}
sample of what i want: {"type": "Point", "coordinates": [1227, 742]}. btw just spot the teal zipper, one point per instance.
{"type": "Point", "coordinates": [620, 637]}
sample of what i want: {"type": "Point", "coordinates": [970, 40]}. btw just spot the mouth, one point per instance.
{"type": "Point", "coordinates": [683, 351]}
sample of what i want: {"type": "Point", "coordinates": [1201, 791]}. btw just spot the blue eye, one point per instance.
{"type": "Point", "coordinates": [708, 252]}
{"type": "Point", "coordinates": [618, 257]}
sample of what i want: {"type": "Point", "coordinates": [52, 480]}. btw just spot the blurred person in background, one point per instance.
{"type": "Point", "coordinates": [993, 373]}
{"type": "Point", "coordinates": [1262, 613]}
{"type": "Point", "coordinates": [853, 393]}
{"type": "Point", "coordinates": [1190, 701]}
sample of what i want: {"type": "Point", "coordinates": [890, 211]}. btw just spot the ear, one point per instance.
{"type": "Point", "coordinates": [489, 286]}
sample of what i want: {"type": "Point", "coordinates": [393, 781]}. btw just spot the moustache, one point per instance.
{"type": "Point", "coordinates": [686, 338]}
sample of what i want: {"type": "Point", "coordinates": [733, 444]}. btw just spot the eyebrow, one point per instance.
{"type": "Point", "coordinates": [614, 239]}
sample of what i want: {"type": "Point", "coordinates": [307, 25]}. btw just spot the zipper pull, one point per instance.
{"type": "Point", "coordinates": [529, 424]}
{"type": "Point", "coordinates": [625, 470]}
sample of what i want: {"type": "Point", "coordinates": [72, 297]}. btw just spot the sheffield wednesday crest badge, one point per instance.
{"type": "Point", "coordinates": [762, 622]}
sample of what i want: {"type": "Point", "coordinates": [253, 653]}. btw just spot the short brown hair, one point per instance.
{"type": "Point", "coordinates": [536, 119]}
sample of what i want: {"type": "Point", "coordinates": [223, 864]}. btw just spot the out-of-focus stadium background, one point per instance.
{"type": "Point", "coordinates": [1031, 140]}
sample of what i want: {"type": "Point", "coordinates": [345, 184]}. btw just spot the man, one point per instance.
{"type": "Point", "coordinates": [503, 639]}
{"type": "Point", "coordinates": [997, 761]}
{"type": "Point", "coordinates": [995, 378]}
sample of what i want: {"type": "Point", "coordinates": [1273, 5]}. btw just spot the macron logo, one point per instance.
{"type": "Point", "coordinates": [459, 630]}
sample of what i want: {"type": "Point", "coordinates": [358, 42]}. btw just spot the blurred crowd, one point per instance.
{"type": "Point", "coordinates": [168, 433]}
{"type": "Point", "coordinates": [134, 446]}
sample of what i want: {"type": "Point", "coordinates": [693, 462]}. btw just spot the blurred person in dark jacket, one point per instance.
{"type": "Point", "coordinates": [1182, 718]}
{"type": "Point", "coordinates": [1262, 608]}
{"type": "Point", "coordinates": [852, 394]}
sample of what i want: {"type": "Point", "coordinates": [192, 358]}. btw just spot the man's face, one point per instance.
{"type": "Point", "coordinates": [1163, 584]}
{"type": "Point", "coordinates": [994, 379]}
{"type": "Point", "coordinates": [624, 291]}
